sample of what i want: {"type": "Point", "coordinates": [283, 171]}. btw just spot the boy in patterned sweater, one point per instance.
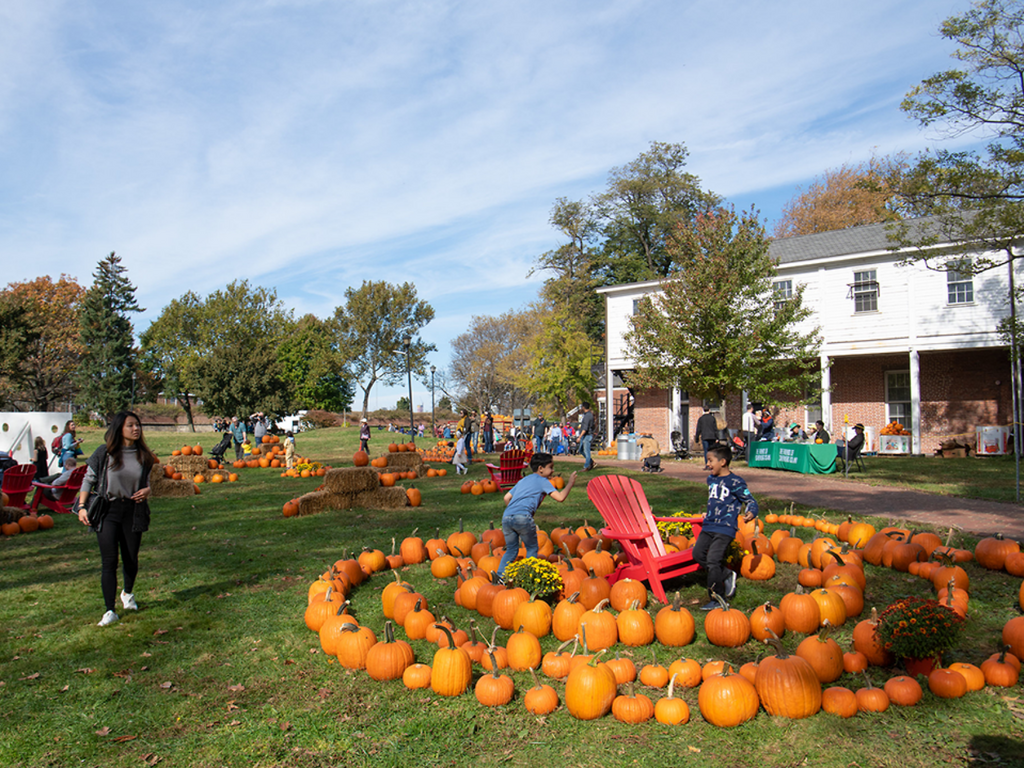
{"type": "Point", "coordinates": [727, 493]}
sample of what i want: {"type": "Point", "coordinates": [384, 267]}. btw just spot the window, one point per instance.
{"type": "Point", "coordinates": [636, 306]}
{"type": "Point", "coordinates": [897, 398]}
{"type": "Point", "coordinates": [783, 290]}
{"type": "Point", "coordinates": [864, 290]}
{"type": "Point", "coordinates": [960, 287]}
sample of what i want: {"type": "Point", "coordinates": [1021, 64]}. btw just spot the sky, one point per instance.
{"type": "Point", "coordinates": [309, 145]}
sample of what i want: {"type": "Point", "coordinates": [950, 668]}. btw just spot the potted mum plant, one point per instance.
{"type": "Point", "coordinates": [918, 630]}
{"type": "Point", "coordinates": [538, 577]}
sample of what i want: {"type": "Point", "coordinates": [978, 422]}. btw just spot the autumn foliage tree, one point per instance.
{"type": "Point", "coordinates": [847, 196]}
{"type": "Point", "coordinates": [716, 328]}
{"type": "Point", "coordinates": [42, 378]}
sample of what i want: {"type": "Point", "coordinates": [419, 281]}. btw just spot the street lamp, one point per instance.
{"type": "Point", "coordinates": [407, 343]}
{"type": "Point", "coordinates": [433, 424]}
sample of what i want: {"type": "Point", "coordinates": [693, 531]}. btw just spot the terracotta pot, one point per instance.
{"type": "Point", "coordinates": [917, 667]}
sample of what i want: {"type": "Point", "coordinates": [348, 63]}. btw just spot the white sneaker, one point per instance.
{"type": "Point", "coordinates": [108, 618]}
{"type": "Point", "coordinates": [128, 600]}
{"type": "Point", "coordinates": [730, 586]}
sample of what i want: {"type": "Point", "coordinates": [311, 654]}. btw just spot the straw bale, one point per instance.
{"type": "Point", "coordinates": [383, 498]}
{"type": "Point", "coordinates": [404, 461]}
{"type": "Point", "coordinates": [351, 480]}
{"type": "Point", "coordinates": [11, 514]}
{"type": "Point", "coordinates": [209, 473]}
{"type": "Point", "coordinates": [164, 486]}
{"type": "Point", "coordinates": [189, 466]}
{"type": "Point", "coordinates": [313, 503]}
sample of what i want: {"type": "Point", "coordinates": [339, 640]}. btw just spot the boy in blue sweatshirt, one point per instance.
{"type": "Point", "coordinates": [727, 493]}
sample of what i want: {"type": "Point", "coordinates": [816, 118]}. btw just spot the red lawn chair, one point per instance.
{"type": "Point", "coordinates": [17, 483]}
{"type": "Point", "coordinates": [65, 493]}
{"type": "Point", "coordinates": [623, 505]}
{"type": "Point", "coordinates": [511, 470]}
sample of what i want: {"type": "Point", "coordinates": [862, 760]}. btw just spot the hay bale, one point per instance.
{"type": "Point", "coordinates": [165, 487]}
{"type": "Point", "coordinates": [312, 503]}
{"type": "Point", "coordinates": [189, 466]}
{"type": "Point", "coordinates": [382, 498]}
{"type": "Point", "coordinates": [209, 473]}
{"type": "Point", "coordinates": [404, 461]}
{"type": "Point", "coordinates": [351, 480]}
{"type": "Point", "coordinates": [11, 514]}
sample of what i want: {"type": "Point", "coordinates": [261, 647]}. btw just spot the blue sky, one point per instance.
{"type": "Point", "coordinates": [309, 145]}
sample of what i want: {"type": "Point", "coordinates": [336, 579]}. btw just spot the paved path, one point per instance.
{"type": "Point", "coordinates": [857, 498]}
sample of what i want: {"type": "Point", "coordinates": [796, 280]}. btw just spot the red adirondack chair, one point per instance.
{"type": "Point", "coordinates": [65, 493]}
{"type": "Point", "coordinates": [17, 483]}
{"type": "Point", "coordinates": [511, 470]}
{"type": "Point", "coordinates": [623, 505]}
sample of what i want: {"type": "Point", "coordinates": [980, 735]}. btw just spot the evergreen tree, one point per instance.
{"type": "Point", "coordinates": [108, 359]}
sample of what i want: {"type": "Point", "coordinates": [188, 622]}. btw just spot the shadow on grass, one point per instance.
{"type": "Point", "coordinates": [996, 750]}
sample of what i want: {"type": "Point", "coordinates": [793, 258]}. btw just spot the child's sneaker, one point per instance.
{"type": "Point", "coordinates": [128, 600]}
{"type": "Point", "coordinates": [108, 618]}
{"type": "Point", "coordinates": [730, 586]}
{"type": "Point", "coordinates": [710, 606]}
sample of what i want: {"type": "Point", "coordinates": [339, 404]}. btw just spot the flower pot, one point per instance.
{"type": "Point", "coordinates": [917, 667]}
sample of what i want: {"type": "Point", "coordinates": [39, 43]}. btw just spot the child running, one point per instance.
{"type": "Point", "coordinates": [727, 493]}
{"type": "Point", "coordinates": [522, 502]}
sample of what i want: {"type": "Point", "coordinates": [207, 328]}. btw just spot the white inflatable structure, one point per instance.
{"type": "Point", "coordinates": [18, 433]}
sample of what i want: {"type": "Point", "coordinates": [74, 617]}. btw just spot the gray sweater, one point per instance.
{"type": "Point", "coordinates": [121, 482]}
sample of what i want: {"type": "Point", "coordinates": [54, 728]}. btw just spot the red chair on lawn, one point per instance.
{"type": "Point", "coordinates": [65, 493]}
{"type": "Point", "coordinates": [17, 483]}
{"type": "Point", "coordinates": [511, 470]}
{"type": "Point", "coordinates": [623, 505]}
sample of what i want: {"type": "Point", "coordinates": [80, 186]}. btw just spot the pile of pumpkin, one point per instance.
{"type": "Point", "coordinates": [480, 487]}
{"type": "Point", "coordinates": [611, 450]}
{"type": "Point", "coordinates": [786, 684]}
{"type": "Point", "coordinates": [440, 452]}
{"type": "Point", "coordinates": [14, 521]}
{"type": "Point", "coordinates": [172, 474]}
{"type": "Point", "coordinates": [894, 428]}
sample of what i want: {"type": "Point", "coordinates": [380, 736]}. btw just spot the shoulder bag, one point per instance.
{"type": "Point", "coordinates": [97, 504]}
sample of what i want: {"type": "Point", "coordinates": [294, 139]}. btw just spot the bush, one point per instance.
{"type": "Point", "coordinates": [319, 420]}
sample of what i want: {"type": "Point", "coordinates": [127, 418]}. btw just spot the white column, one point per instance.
{"type": "Point", "coordinates": [915, 400]}
{"type": "Point", "coordinates": [609, 379]}
{"type": "Point", "coordinates": [826, 393]}
{"type": "Point", "coordinates": [674, 424]}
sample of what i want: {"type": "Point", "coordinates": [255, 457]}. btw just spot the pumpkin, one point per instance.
{"type": "Point", "coordinates": [624, 669]}
{"type": "Point", "coordinates": [1013, 636]}
{"type": "Point", "coordinates": [975, 677]}
{"type": "Point", "coordinates": [823, 654]}
{"type": "Point", "coordinates": [766, 617]}
{"type": "Point", "coordinates": [632, 708]}
{"type": "Point", "coordinates": [505, 604]}
{"type": "Point", "coordinates": [654, 674]}
{"type": "Point", "coordinates": [534, 616]}
{"type": "Point", "coordinates": [353, 644]}
{"type": "Point", "coordinates": [831, 607]}
{"type": "Point", "coordinates": [416, 676]}
{"type": "Point", "coordinates": [801, 612]}
{"type": "Point", "coordinates": [787, 685]}
{"type": "Point", "coordinates": [590, 690]}
{"type": "Point", "coordinates": [372, 559]}
{"type": "Point", "coordinates": [602, 631]}
{"type": "Point", "coordinates": [541, 699]}
{"type": "Point", "coordinates": [415, 496]}
{"type": "Point", "coordinates": [865, 640]}
{"type": "Point", "coordinates": [839, 701]}
{"type": "Point", "coordinates": [991, 552]}
{"type": "Point", "coordinates": [405, 603]}
{"type": "Point", "coordinates": [674, 625]}
{"type": "Point", "coordinates": [593, 590]}
{"type": "Point", "coordinates": [388, 660]}
{"type": "Point", "coordinates": [854, 661]}
{"type": "Point", "coordinates": [452, 669]}
{"type": "Point", "coordinates": [523, 651]}
{"type": "Point", "coordinates": [687, 672]}
{"type": "Point", "coordinates": [725, 626]}
{"type": "Point", "coordinates": [727, 700]}
{"type": "Point", "coordinates": [462, 540]}
{"type": "Point", "coordinates": [360, 458]}
{"type": "Point", "coordinates": [412, 549]}
{"type": "Point", "coordinates": [635, 626]}
{"type": "Point", "coordinates": [556, 664]}
{"type": "Point", "coordinates": [871, 699]}
{"type": "Point", "coordinates": [625, 591]}
{"type": "Point", "coordinates": [947, 684]}
{"type": "Point", "coordinates": [903, 691]}
{"type": "Point", "coordinates": [494, 690]}
{"type": "Point", "coordinates": [1000, 671]}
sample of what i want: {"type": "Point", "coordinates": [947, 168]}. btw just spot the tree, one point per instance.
{"type": "Point", "coordinates": [375, 321]}
{"type": "Point", "coordinates": [313, 364]}
{"type": "Point", "coordinates": [403, 404]}
{"type": "Point", "coordinates": [18, 334]}
{"type": "Point", "coordinates": [560, 371]}
{"type": "Point", "coordinates": [847, 196]}
{"type": "Point", "coordinates": [223, 350]}
{"type": "Point", "coordinates": [107, 365]}
{"type": "Point", "coordinates": [488, 360]}
{"type": "Point", "coordinates": [46, 372]}
{"type": "Point", "coordinates": [717, 327]}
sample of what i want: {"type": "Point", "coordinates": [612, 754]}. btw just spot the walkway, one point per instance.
{"type": "Point", "coordinates": [834, 492]}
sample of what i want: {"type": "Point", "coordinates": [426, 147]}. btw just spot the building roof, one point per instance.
{"type": "Point", "coordinates": [870, 238]}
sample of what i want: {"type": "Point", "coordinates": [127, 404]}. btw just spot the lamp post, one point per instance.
{"type": "Point", "coordinates": [433, 424]}
{"type": "Point", "coordinates": [407, 343]}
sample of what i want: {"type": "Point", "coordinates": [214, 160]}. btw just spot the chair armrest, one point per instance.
{"type": "Point", "coordinates": [44, 485]}
{"type": "Point", "coordinates": [491, 466]}
{"type": "Point", "coordinates": [621, 535]}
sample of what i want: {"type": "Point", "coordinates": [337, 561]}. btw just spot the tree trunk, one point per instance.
{"type": "Point", "coordinates": [186, 404]}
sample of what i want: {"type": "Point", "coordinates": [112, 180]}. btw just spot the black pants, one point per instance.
{"type": "Point", "coordinates": [709, 552]}
{"type": "Point", "coordinates": [116, 535]}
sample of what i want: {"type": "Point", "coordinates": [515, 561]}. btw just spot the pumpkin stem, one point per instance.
{"type": "Point", "coordinates": [494, 664]}
{"type": "Point", "coordinates": [414, 530]}
{"type": "Point", "coordinates": [583, 633]}
{"type": "Point", "coordinates": [460, 525]}
{"type": "Point", "coordinates": [722, 605]}
{"type": "Point", "coordinates": [676, 601]}
{"type": "Point", "coordinates": [491, 646]}
{"type": "Point", "coordinates": [672, 684]}
{"type": "Point", "coordinates": [389, 632]}
{"type": "Point", "coordinates": [599, 608]}
{"type": "Point", "coordinates": [774, 641]}
{"type": "Point", "coordinates": [451, 640]}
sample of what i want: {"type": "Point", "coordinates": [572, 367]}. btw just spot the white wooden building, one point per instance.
{"type": "Point", "coordinates": [900, 342]}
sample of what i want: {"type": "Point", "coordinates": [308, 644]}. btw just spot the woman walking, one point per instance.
{"type": "Point", "coordinates": [119, 470]}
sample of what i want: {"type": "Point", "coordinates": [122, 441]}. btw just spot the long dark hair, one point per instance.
{"type": "Point", "coordinates": [115, 441]}
{"type": "Point", "coordinates": [68, 426]}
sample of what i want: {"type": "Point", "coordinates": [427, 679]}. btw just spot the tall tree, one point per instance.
{"type": "Point", "coordinates": [18, 333]}
{"type": "Point", "coordinates": [560, 372]}
{"type": "Point", "coordinates": [717, 328]}
{"type": "Point", "coordinates": [488, 361]}
{"type": "Point", "coordinates": [313, 364]}
{"type": "Point", "coordinates": [171, 347]}
{"type": "Point", "coordinates": [375, 321]}
{"type": "Point", "coordinates": [107, 366]}
{"type": "Point", "coordinates": [46, 373]}
{"type": "Point", "coordinates": [847, 196]}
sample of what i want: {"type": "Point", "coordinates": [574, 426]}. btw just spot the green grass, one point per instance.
{"type": "Point", "coordinates": [993, 477]}
{"type": "Point", "coordinates": [218, 668]}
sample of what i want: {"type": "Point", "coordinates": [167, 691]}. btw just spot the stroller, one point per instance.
{"type": "Point", "coordinates": [221, 448]}
{"type": "Point", "coordinates": [679, 448]}
{"type": "Point", "coordinates": [738, 446]}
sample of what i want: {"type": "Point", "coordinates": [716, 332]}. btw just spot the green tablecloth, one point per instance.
{"type": "Point", "coordinates": [805, 458]}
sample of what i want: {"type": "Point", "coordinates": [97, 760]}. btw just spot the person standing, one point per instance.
{"type": "Point", "coordinates": [554, 439]}
{"type": "Point", "coordinates": [472, 428]}
{"type": "Point", "coordinates": [70, 444]}
{"type": "Point", "coordinates": [364, 435]}
{"type": "Point", "coordinates": [488, 433]}
{"type": "Point", "coordinates": [706, 432]}
{"type": "Point", "coordinates": [237, 436]}
{"type": "Point", "coordinates": [120, 466]}
{"type": "Point", "coordinates": [749, 428]}
{"type": "Point", "coordinates": [539, 425]}
{"type": "Point", "coordinates": [587, 436]}
{"type": "Point", "coordinates": [259, 427]}
{"type": "Point", "coordinates": [41, 460]}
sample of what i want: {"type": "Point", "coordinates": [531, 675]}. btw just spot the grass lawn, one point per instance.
{"type": "Point", "coordinates": [218, 668]}
{"type": "Point", "coordinates": [992, 477]}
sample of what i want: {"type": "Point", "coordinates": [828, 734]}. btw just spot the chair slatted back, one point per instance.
{"type": "Point", "coordinates": [624, 506]}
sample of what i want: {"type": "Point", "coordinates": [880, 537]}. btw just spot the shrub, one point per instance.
{"type": "Point", "coordinates": [319, 420]}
